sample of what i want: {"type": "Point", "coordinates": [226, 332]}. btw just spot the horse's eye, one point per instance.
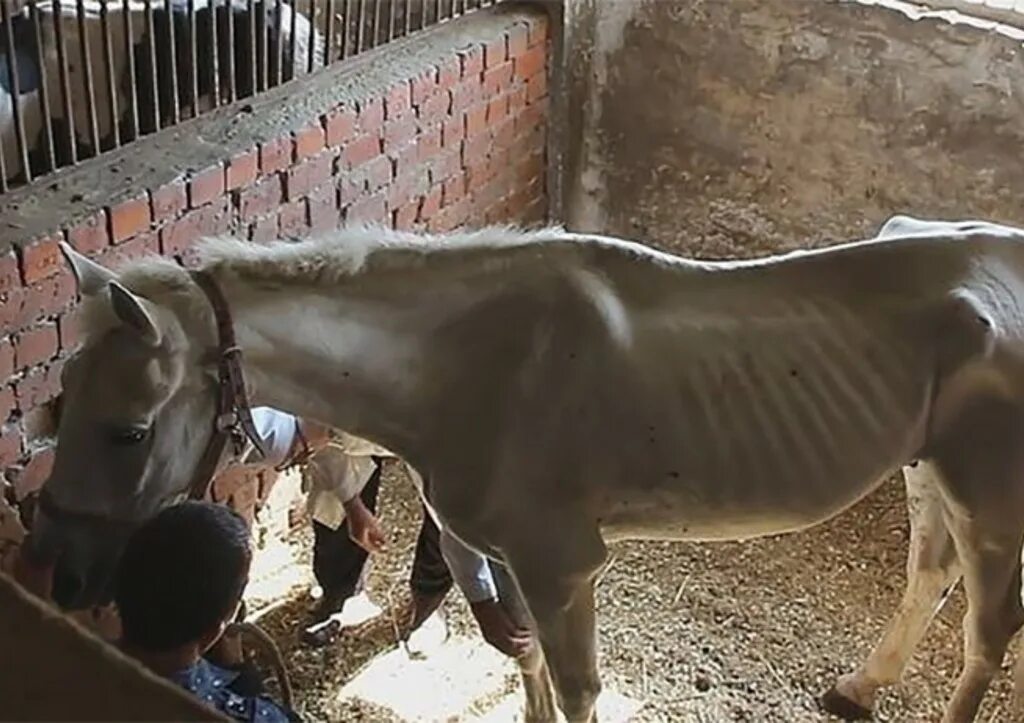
{"type": "Point", "coordinates": [128, 435]}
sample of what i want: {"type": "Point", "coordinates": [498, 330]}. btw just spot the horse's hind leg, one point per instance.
{"type": "Point", "coordinates": [540, 702]}
{"type": "Point", "coordinates": [982, 463]}
{"type": "Point", "coordinates": [932, 570]}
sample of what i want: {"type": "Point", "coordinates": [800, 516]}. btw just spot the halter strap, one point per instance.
{"type": "Point", "coordinates": [233, 420]}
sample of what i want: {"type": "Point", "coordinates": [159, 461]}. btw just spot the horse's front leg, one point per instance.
{"type": "Point", "coordinates": [556, 577]}
{"type": "Point", "coordinates": [540, 702]}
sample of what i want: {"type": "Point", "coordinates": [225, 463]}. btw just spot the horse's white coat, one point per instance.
{"type": "Point", "coordinates": [556, 390]}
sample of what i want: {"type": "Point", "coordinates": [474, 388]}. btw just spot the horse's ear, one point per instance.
{"type": "Point", "coordinates": [89, 275]}
{"type": "Point", "coordinates": [131, 310]}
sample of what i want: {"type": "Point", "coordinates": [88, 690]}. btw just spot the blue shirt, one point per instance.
{"type": "Point", "coordinates": [212, 685]}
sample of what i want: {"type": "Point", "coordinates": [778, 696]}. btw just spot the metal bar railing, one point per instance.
{"type": "Point", "coordinates": [87, 76]}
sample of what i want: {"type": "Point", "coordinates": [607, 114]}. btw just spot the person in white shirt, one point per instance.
{"type": "Point", "coordinates": [343, 476]}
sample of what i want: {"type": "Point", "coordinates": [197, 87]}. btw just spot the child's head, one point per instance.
{"type": "Point", "coordinates": [182, 576]}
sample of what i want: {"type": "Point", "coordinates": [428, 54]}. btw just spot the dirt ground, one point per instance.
{"type": "Point", "coordinates": [717, 632]}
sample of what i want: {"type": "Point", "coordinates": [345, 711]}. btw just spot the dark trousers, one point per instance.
{"type": "Point", "coordinates": [339, 564]}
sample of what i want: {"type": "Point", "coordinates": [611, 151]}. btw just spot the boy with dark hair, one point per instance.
{"type": "Point", "coordinates": [179, 584]}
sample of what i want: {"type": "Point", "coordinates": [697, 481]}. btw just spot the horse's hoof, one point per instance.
{"type": "Point", "coordinates": [839, 705]}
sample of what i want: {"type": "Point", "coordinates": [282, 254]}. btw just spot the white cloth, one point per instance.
{"type": "Point", "coordinates": [340, 471]}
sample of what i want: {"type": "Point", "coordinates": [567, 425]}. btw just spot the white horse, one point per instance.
{"type": "Point", "coordinates": [558, 391]}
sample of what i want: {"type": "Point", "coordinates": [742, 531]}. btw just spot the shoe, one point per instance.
{"type": "Point", "coordinates": [354, 611]}
{"type": "Point", "coordinates": [428, 637]}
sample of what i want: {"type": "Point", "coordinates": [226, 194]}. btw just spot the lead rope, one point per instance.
{"type": "Point", "coordinates": [271, 650]}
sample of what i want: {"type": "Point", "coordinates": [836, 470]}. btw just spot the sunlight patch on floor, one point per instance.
{"type": "Point", "coordinates": [462, 680]}
{"type": "Point", "coordinates": [448, 683]}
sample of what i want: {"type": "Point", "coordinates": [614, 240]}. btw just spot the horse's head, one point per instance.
{"type": "Point", "coordinates": [136, 415]}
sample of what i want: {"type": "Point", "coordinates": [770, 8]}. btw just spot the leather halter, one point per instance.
{"type": "Point", "coordinates": [233, 419]}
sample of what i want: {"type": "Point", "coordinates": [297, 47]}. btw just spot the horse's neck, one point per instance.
{"type": "Point", "coordinates": [334, 357]}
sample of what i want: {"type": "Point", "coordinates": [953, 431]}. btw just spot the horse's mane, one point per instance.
{"type": "Point", "coordinates": [323, 259]}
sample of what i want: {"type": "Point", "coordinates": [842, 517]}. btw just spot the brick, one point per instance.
{"type": "Point", "coordinates": [89, 236]}
{"type": "Point", "coordinates": [398, 133]}
{"type": "Point", "coordinates": [361, 150]}
{"type": "Point", "coordinates": [531, 117]}
{"type": "Point", "coordinates": [212, 219]}
{"type": "Point", "coordinates": [348, 190]}
{"type": "Point", "coordinates": [41, 300]}
{"type": "Point", "coordinates": [38, 386]}
{"type": "Point", "coordinates": [371, 209]}
{"type": "Point", "coordinates": [34, 473]}
{"type": "Point", "coordinates": [536, 88]}
{"type": "Point", "coordinates": [531, 167]}
{"type": "Point", "coordinates": [496, 52]}
{"type": "Point", "coordinates": [10, 445]}
{"type": "Point", "coordinates": [292, 218]}
{"type": "Point", "coordinates": [422, 86]}
{"type": "Point", "coordinates": [375, 174]}
{"type": "Point", "coordinates": [10, 275]}
{"type": "Point", "coordinates": [275, 155]}
{"type": "Point", "coordinates": [518, 40]}
{"type": "Point", "coordinates": [169, 200]}
{"type": "Point", "coordinates": [428, 144]}
{"type": "Point", "coordinates": [450, 218]}
{"type": "Point", "coordinates": [504, 133]}
{"type": "Point", "coordinates": [36, 345]}
{"type": "Point", "coordinates": [453, 190]}
{"type": "Point", "coordinates": [309, 141]}
{"type": "Point", "coordinates": [264, 230]}
{"type": "Point", "coordinates": [471, 62]}
{"type": "Point", "coordinates": [340, 126]}
{"type": "Point", "coordinates": [308, 175]}
{"type": "Point", "coordinates": [398, 101]}
{"type": "Point", "coordinates": [538, 29]}
{"type": "Point", "coordinates": [6, 358]}
{"type": "Point", "coordinates": [498, 79]}
{"type": "Point", "coordinates": [497, 110]}
{"type": "Point", "coordinates": [205, 186]}
{"type": "Point", "coordinates": [453, 131]}
{"type": "Point", "coordinates": [69, 327]}
{"type": "Point", "coordinates": [8, 403]}
{"type": "Point", "coordinates": [448, 73]}
{"type": "Point", "coordinates": [430, 205]}
{"type": "Point", "coordinates": [323, 209]}
{"type": "Point", "coordinates": [445, 166]}
{"type": "Point", "coordinates": [531, 62]}
{"type": "Point", "coordinates": [434, 108]}
{"type": "Point", "coordinates": [517, 100]}
{"type": "Point", "coordinates": [40, 258]}
{"type": "Point", "coordinates": [476, 120]}
{"type": "Point", "coordinates": [405, 189]}
{"type": "Point", "coordinates": [129, 218]}
{"type": "Point", "coordinates": [404, 218]}
{"type": "Point", "coordinates": [132, 250]}
{"type": "Point", "coordinates": [464, 95]}
{"type": "Point", "coordinates": [243, 169]}
{"type": "Point", "coordinates": [260, 199]}
{"type": "Point", "coordinates": [370, 115]}
{"type": "Point", "coordinates": [474, 150]}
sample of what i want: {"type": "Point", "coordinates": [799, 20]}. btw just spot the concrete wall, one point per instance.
{"type": "Point", "coordinates": [735, 128]}
{"type": "Point", "coordinates": [442, 129]}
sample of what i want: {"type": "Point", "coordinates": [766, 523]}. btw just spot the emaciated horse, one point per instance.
{"type": "Point", "coordinates": [561, 390]}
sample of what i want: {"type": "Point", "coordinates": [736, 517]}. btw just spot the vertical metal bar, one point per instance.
{"type": "Point", "coordinates": [154, 71]}
{"type": "Point", "coordinates": [19, 121]}
{"type": "Point", "coordinates": [252, 45]}
{"type": "Point", "coordinates": [108, 66]}
{"type": "Point", "coordinates": [90, 91]}
{"type": "Point", "coordinates": [44, 85]}
{"type": "Point", "coordinates": [261, 47]}
{"type": "Point", "coordinates": [232, 90]}
{"type": "Point", "coordinates": [193, 55]}
{"type": "Point", "coordinates": [278, 32]}
{"type": "Point", "coordinates": [173, 59]}
{"type": "Point", "coordinates": [329, 30]}
{"type": "Point", "coordinates": [129, 52]}
{"type": "Point", "coordinates": [293, 40]}
{"type": "Point", "coordinates": [376, 23]}
{"type": "Point", "coordinates": [346, 29]}
{"type": "Point", "coordinates": [437, 11]}
{"type": "Point", "coordinates": [392, 16]}
{"type": "Point", "coordinates": [361, 27]}
{"type": "Point", "coordinates": [65, 84]}
{"type": "Point", "coordinates": [214, 47]}
{"type": "Point", "coordinates": [310, 55]}
{"type": "Point", "coordinates": [408, 16]}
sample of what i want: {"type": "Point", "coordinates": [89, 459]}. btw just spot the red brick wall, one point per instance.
{"type": "Point", "coordinates": [459, 142]}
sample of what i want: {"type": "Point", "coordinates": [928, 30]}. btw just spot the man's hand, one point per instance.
{"type": "Point", "coordinates": [500, 630]}
{"type": "Point", "coordinates": [363, 527]}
